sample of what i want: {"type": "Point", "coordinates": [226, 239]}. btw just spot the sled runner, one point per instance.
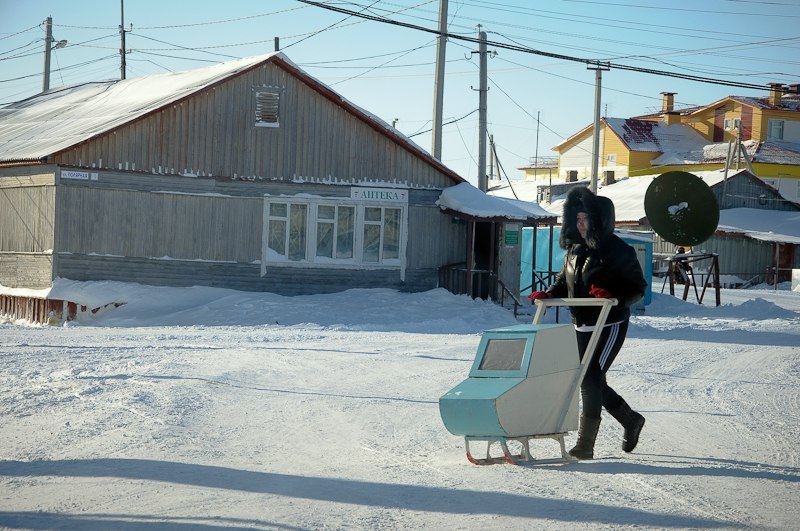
{"type": "Point", "coordinates": [523, 385]}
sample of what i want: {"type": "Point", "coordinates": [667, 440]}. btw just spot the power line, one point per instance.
{"type": "Point", "coordinates": [446, 123]}
{"type": "Point", "coordinates": [20, 32]}
{"type": "Point", "coordinates": [689, 77]}
{"type": "Point", "coordinates": [173, 26]}
{"type": "Point", "coordinates": [671, 8]}
{"type": "Point", "coordinates": [381, 65]}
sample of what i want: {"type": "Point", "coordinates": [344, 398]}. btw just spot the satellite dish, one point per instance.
{"type": "Point", "coordinates": [681, 208]}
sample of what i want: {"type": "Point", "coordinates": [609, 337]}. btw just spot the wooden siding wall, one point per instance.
{"type": "Point", "coordinates": [214, 133]}
{"type": "Point", "coordinates": [26, 270]}
{"type": "Point", "coordinates": [743, 192]}
{"type": "Point", "coordinates": [739, 256]}
{"type": "Point", "coordinates": [435, 239]}
{"type": "Point", "coordinates": [246, 277]}
{"type": "Point", "coordinates": [176, 239]}
{"type": "Point", "coordinates": [577, 156]}
{"type": "Point", "coordinates": [133, 223]}
{"type": "Point", "coordinates": [27, 213]}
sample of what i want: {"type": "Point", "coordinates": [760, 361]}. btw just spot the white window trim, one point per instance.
{"type": "Point", "coordinates": [312, 260]}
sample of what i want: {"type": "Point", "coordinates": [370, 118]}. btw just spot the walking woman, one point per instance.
{"type": "Point", "coordinates": [598, 264]}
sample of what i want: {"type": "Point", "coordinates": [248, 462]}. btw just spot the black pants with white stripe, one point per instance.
{"type": "Point", "coordinates": [595, 392]}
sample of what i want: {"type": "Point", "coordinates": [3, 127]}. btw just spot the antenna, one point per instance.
{"type": "Point", "coordinates": [681, 208]}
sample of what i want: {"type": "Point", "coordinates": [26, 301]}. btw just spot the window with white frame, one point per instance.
{"type": "Point", "coordinates": [727, 124]}
{"type": "Point", "coordinates": [336, 232]}
{"type": "Point", "coordinates": [775, 130]}
{"type": "Point", "coordinates": [737, 124]}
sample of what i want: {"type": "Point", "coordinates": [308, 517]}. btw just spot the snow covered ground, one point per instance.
{"type": "Point", "coordinates": [201, 408]}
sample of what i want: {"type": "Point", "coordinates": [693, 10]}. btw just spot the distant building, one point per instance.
{"type": "Point", "coordinates": [541, 169]}
{"type": "Point", "coordinates": [697, 139]}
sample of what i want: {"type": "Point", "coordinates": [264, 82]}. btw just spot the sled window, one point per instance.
{"type": "Point", "coordinates": [503, 355]}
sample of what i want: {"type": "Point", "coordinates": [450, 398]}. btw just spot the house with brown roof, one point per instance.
{"type": "Point", "coordinates": [762, 134]}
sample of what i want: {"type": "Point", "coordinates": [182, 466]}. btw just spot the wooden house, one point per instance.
{"type": "Point", "coordinates": [697, 139]}
{"type": "Point", "coordinates": [249, 175]}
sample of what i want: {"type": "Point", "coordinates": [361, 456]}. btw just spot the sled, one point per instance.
{"type": "Point", "coordinates": [523, 386]}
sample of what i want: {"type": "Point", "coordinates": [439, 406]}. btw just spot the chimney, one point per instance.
{"type": "Point", "coordinates": [794, 89]}
{"type": "Point", "coordinates": [608, 177]}
{"type": "Point", "coordinates": [775, 93]}
{"type": "Point", "coordinates": [668, 102]}
{"type": "Point", "coordinates": [672, 117]}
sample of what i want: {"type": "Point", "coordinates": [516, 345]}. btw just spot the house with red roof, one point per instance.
{"type": "Point", "coordinates": [761, 134]}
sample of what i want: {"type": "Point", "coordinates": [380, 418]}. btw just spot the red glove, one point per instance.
{"type": "Point", "coordinates": [600, 293]}
{"type": "Point", "coordinates": [540, 295]}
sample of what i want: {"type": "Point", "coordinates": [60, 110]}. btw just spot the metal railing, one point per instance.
{"type": "Point", "coordinates": [477, 283]}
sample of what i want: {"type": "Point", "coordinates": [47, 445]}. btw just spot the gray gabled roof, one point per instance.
{"type": "Point", "coordinates": [56, 120]}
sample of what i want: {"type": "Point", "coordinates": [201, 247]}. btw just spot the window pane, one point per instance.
{"type": "Point", "coordinates": [372, 214]}
{"type": "Point", "coordinates": [344, 232]}
{"type": "Point", "coordinates": [277, 210]}
{"type": "Point", "coordinates": [277, 237]}
{"type": "Point", "coordinates": [325, 240]}
{"type": "Point", "coordinates": [372, 243]}
{"type": "Point", "coordinates": [326, 212]}
{"type": "Point", "coordinates": [297, 232]}
{"type": "Point", "coordinates": [391, 233]}
{"type": "Point", "coordinates": [775, 130]}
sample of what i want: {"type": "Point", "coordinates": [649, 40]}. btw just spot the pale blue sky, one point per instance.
{"type": "Point", "coordinates": [389, 70]}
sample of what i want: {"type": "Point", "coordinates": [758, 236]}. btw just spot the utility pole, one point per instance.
{"type": "Point", "coordinates": [491, 158]}
{"type": "Point", "coordinates": [48, 40]}
{"type": "Point", "coordinates": [48, 46]}
{"type": "Point", "coordinates": [438, 84]}
{"type": "Point", "coordinates": [536, 157]}
{"type": "Point", "coordinates": [482, 129]}
{"type": "Point", "coordinates": [122, 39]}
{"type": "Point", "coordinates": [598, 81]}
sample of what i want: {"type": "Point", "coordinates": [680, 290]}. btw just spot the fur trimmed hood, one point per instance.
{"type": "Point", "coordinates": [601, 218]}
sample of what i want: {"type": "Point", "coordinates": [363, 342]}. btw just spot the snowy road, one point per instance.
{"type": "Point", "coordinates": [319, 423]}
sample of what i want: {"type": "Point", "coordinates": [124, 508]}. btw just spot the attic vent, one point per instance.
{"type": "Point", "coordinates": [267, 108]}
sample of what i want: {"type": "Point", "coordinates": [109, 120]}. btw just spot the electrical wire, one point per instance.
{"type": "Point", "coordinates": [383, 64]}
{"type": "Point", "coordinates": [672, 8]}
{"type": "Point", "coordinates": [588, 62]}
{"type": "Point", "coordinates": [20, 32]}
{"type": "Point", "coordinates": [446, 123]}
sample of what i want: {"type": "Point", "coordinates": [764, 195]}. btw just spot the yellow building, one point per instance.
{"type": "Point", "coordinates": [697, 139]}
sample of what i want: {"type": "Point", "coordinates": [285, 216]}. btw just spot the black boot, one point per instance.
{"type": "Point", "coordinates": [584, 448]}
{"type": "Point", "coordinates": [633, 423]}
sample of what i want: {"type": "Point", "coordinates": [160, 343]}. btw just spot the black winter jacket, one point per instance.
{"type": "Point", "coordinates": [602, 260]}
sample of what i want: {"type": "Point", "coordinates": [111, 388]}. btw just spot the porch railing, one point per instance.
{"type": "Point", "coordinates": [477, 283]}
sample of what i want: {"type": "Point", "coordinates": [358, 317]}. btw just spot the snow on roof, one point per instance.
{"type": "Point", "coordinates": [468, 200]}
{"type": "Point", "coordinates": [768, 225]}
{"type": "Point", "coordinates": [643, 135]}
{"type": "Point", "coordinates": [55, 120]}
{"type": "Point", "coordinates": [705, 154]}
{"type": "Point", "coordinates": [628, 195]}
{"type": "Point", "coordinates": [778, 153]}
{"type": "Point", "coordinates": [789, 102]}
{"type": "Point", "coordinates": [628, 198]}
